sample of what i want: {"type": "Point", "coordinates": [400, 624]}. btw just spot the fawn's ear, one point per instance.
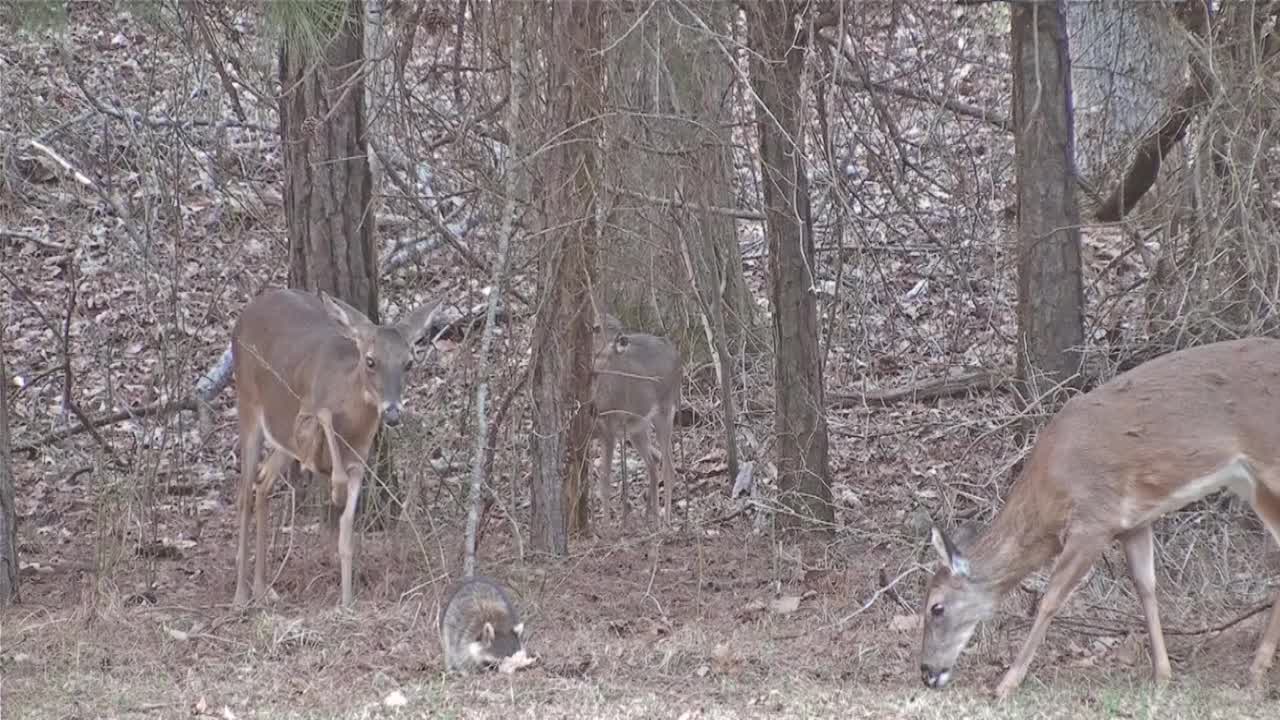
{"type": "Point", "coordinates": [950, 554]}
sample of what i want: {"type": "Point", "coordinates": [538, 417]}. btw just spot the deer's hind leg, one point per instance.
{"type": "Point", "coordinates": [250, 446]}
{"type": "Point", "coordinates": [639, 434]}
{"type": "Point", "coordinates": [267, 474]}
{"type": "Point", "coordinates": [663, 423]}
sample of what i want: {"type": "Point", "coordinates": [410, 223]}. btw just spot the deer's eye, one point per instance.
{"type": "Point", "coordinates": [369, 361]}
{"type": "Point", "coordinates": [937, 610]}
{"type": "Point", "coordinates": [408, 364]}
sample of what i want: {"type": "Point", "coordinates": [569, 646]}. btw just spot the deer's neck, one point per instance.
{"type": "Point", "coordinates": [1022, 537]}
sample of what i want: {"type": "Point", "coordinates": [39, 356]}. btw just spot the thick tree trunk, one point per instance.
{"type": "Point", "coordinates": [8, 506]}
{"type": "Point", "coordinates": [561, 375]}
{"type": "Point", "coordinates": [800, 422]}
{"type": "Point", "coordinates": [1127, 61]}
{"type": "Point", "coordinates": [1050, 293]}
{"type": "Point", "coordinates": [328, 191]}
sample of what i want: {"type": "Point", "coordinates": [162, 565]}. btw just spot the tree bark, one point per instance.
{"type": "Point", "coordinates": [8, 503]}
{"type": "Point", "coordinates": [328, 189]}
{"type": "Point", "coordinates": [1127, 60]}
{"type": "Point", "coordinates": [800, 423]}
{"type": "Point", "coordinates": [561, 377]}
{"type": "Point", "coordinates": [1050, 292]}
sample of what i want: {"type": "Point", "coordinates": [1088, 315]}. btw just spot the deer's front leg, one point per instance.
{"type": "Point", "coordinates": [346, 532]}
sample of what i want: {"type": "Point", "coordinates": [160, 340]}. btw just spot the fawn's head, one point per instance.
{"type": "Point", "coordinates": [955, 602]}
{"type": "Point", "coordinates": [606, 333]}
{"type": "Point", "coordinates": [386, 351]}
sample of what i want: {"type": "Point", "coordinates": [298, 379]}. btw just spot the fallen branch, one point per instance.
{"type": "Point", "coordinates": [157, 409]}
{"type": "Point", "coordinates": [987, 380]}
{"type": "Point", "coordinates": [1221, 626]}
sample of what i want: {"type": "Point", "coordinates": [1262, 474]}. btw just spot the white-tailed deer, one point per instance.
{"type": "Point", "coordinates": [315, 378]}
{"type": "Point", "coordinates": [1113, 460]}
{"type": "Point", "coordinates": [637, 386]}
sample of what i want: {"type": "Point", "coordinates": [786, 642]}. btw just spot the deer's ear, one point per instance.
{"type": "Point", "coordinates": [950, 554]}
{"type": "Point", "coordinates": [352, 320]}
{"type": "Point", "coordinates": [487, 633]}
{"type": "Point", "coordinates": [416, 324]}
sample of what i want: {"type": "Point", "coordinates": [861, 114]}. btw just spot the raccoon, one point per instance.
{"type": "Point", "coordinates": [479, 626]}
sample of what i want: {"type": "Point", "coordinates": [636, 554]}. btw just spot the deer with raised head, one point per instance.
{"type": "Point", "coordinates": [315, 379]}
{"type": "Point", "coordinates": [1109, 463]}
{"type": "Point", "coordinates": [636, 387]}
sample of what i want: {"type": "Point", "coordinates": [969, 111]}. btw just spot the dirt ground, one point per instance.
{"type": "Point", "coordinates": [686, 624]}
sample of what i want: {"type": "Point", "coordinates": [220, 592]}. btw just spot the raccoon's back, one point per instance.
{"type": "Point", "coordinates": [472, 603]}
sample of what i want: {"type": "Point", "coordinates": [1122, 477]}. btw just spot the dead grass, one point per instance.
{"type": "Point", "coordinates": [621, 630]}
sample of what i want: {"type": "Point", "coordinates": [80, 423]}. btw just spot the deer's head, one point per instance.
{"type": "Point", "coordinates": [386, 351]}
{"type": "Point", "coordinates": [955, 602]}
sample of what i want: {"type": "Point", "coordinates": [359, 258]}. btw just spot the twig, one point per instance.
{"type": "Point", "coordinates": [68, 378]}
{"type": "Point", "coordinates": [876, 595]}
{"type": "Point", "coordinates": [883, 577]}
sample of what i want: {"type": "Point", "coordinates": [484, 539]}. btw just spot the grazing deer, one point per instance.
{"type": "Point", "coordinates": [315, 378]}
{"type": "Point", "coordinates": [637, 386]}
{"type": "Point", "coordinates": [1112, 461]}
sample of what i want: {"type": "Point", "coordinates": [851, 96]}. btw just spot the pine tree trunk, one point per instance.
{"type": "Point", "coordinates": [327, 195]}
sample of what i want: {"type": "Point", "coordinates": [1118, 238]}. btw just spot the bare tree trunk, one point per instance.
{"type": "Point", "coordinates": [1126, 65]}
{"type": "Point", "coordinates": [8, 504]}
{"type": "Point", "coordinates": [484, 374]}
{"type": "Point", "coordinates": [328, 188]}
{"type": "Point", "coordinates": [1050, 293]}
{"type": "Point", "coordinates": [800, 421]}
{"type": "Point", "coordinates": [561, 376]}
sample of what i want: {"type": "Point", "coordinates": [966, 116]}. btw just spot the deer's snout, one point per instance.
{"type": "Point", "coordinates": [935, 678]}
{"type": "Point", "coordinates": [391, 414]}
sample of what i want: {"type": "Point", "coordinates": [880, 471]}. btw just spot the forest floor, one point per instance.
{"type": "Point", "coordinates": [676, 625]}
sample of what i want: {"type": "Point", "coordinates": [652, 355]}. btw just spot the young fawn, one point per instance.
{"type": "Point", "coordinates": [637, 386]}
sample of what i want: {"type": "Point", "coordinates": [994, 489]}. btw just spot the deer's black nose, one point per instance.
{"type": "Point", "coordinates": [392, 415]}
